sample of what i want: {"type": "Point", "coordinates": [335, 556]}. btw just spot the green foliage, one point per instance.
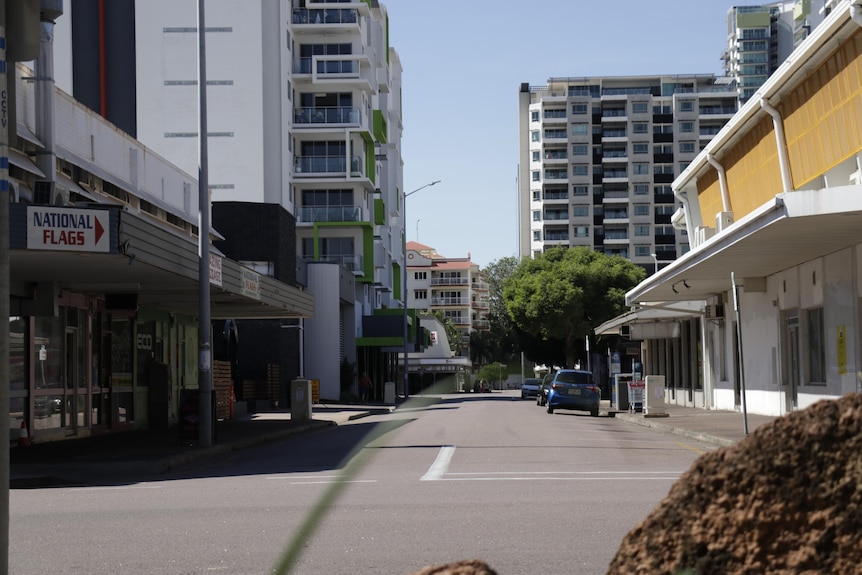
{"type": "Point", "coordinates": [494, 372]}
{"type": "Point", "coordinates": [566, 292]}
{"type": "Point", "coordinates": [500, 343]}
{"type": "Point", "coordinates": [453, 333]}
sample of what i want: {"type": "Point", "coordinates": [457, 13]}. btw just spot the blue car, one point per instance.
{"type": "Point", "coordinates": [574, 389]}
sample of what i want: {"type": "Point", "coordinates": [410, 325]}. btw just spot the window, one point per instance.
{"type": "Point", "coordinates": [580, 190]}
{"type": "Point", "coordinates": [579, 109]}
{"type": "Point", "coordinates": [580, 129]}
{"type": "Point", "coordinates": [580, 211]}
{"type": "Point", "coordinates": [580, 150]}
{"type": "Point", "coordinates": [642, 231]}
{"type": "Point", "coordinates": [640, 128]}
{"type": "Point", "coordinates": [686, 127]}
{"type": "Point", "coordinates": [537, 235]}
{"type": "Point", "coordinates": [537, 195]}
{"type": "Point", "coordinates": [686, 106]}
{"type": "Point", "coordinates": [420, 294]}
{"type": "Point", "coordinates": [642, 251]}
{"type": "Point", "coordinates": [816, 346]}
{"type": "Point", "coordinates": [641, 189]}
{"type": "Point", "coordinates": [640, 169]}
{"type": "Point", "coordinates": [534, 136]}
{"type": "Point", "coordinates": [537, 176]}
{"type": "Point", "coordinates": [641, 209]}
{"type": "Point", "coordinates": [639, 107]}
{"type": "Point", "coordinates": [420, 275]}
{"type": "Point", "coordinates": [580, 170]}
{"type": "Point", "coordinates": [640, 148]}
{"type": "Point", "coordinates": [687, 147]}
{"type": "Point", "coordinates": [537, 216]}
{"type": "Point", "coordinates": [581, 231]}
{"type": "Point", "coordinates": [665, 210]}
{"type": "Point", "coordinates": [537, 156]}
{"type": "Point", "coordinates": [534, 116]}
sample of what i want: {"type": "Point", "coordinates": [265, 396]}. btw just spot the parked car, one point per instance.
{"type": "Point", "coordinates": [542, 396]}
{"type": "Point", "coordinates": [530, 387]}
{"type": "Point", "coordinates": [574, 389]}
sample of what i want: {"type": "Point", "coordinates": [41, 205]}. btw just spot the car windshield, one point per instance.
{"type": "Point", "coordinates": [574, 377]}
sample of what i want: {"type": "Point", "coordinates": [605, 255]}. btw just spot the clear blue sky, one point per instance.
{"type": "Point", "coordinates": [464, 62]}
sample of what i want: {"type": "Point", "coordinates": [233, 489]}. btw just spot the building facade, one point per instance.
{"type": "Point", "coordinates": [773, 299]}
{"type": "Point", "coordinates": [597, 157]}
{"type": "Point", "coordinates": [104, 271]}
{"type": "Point", "coordinates": [303, 104]}
{"type": "Point", "coordinates": [759, 39]}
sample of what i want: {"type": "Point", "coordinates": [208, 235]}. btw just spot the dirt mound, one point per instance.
{"type": "Point", "coordinates": [787, 499]}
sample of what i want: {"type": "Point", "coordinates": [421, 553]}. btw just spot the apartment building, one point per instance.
{"type": "Point", "coordinates": [597, 157]}
{"type": "Point", "coordinates": [304, 118]}
{"type": "Point", "coordinates": [759, 39]}
{"type": "Point", "coordinates": [454, 287]}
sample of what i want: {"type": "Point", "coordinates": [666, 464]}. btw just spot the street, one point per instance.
{"type": "Point", "coordinates": [486, 476]}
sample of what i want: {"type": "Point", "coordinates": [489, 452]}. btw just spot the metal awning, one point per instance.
{"type": "Point", "coordinates": [794, 228]}
{"type": "Point", "coordinates": [664, 311]}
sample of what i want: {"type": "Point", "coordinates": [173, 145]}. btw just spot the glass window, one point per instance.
{"type": "Point", "coordinates": [537, 157]}
{"type": "Point", "coordinates": [686, 106]}
{"type": "Point", "coordinates": [641, 189]}
{"type": "Point", "coordinates": [642, 230]}
{"type": "Point", "coordinates": [640, 148]}
{"type": "Point", "coordinates": [581, 231]}
{"type": "Point", "coordinates": [537, 176]}
{"type": "Point", "coordinates": [537, 195]}
{"type": "Point", "coordinates": [816, 346]}
{"type": "Point", "coordinates": [639, 168]}
{"type": "Point", "coordinates": [686, 127]}
{"type": "Point", "coordinates": [534, 116]}
{"type": "Point", "coordinates": [537, 216]}
{"type": "Point", "coordinates": [640, 128]}
{"type": "Point", "coordinates": [687, 147]}
{"type": "Point", "coordinates": [639, 107]}
{"type": "Point", "coordinates": [580, 211]}
{"type": "Point", "coordinates": [641, 209]}
{"type": "Point", "coordinates": [537, 235]}
{"type": "Point", "coordinates": [579, 109]}
{"type": "Point", "coordinates": [642, 251]}
{"type": "Point", "coordinates": [580, 150]}
{"type": "Point", "coordinates": [580, 129]}
{"type": "Point", "coordinates": [580, 190]}
{"type": "Point", "coordinates": [534, 136]}
{"type": "Point", "coordinates": [580, 169]}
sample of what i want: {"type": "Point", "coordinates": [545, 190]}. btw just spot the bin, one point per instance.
{"type": "Point", "coordinates": [654, 396]}
{"type": "Point", "coordinates": [636, 395]}
{"type": "Point", "coordinates": [620, 391]}
{"type": "Point", "coordinates": [389, 392]}
{"type": "Point", "coordinates": [300, 400]}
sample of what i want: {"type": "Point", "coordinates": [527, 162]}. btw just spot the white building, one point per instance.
{"type": "Point", "coordinates": [303, 113]}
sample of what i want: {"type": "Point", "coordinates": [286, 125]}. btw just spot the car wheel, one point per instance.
{"type": "Point", "coordinates": [594, 412]}
{"type": "Point", "coordinates": [550, 408]}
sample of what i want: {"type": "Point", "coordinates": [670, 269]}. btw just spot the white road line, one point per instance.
{"type": "Point", "coordinates": [441, 464]}
{"type": "Point", "coordinates": [595, 478]}
{"type": "Point", "coordinates": [667, 472]}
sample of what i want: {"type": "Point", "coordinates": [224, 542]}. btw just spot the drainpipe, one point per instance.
{"type": "Point", "coordinates": [722, 182]}
{"type": "Point", "coordinates": [689, 226]}
{"type": "Point", "coordinates": [781, 143]}
{"type": "Point", "coordinates": [44, 92]}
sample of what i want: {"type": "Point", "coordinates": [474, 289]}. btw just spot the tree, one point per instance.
{"type": "Point", "coordinates": [453, 334]}
{"type": "Point", "coordinates": [565, 292]}
{"type": "Point", "coordinates": [501, 343]}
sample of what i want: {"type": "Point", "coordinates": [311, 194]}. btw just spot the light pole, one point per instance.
{"type": "Point", "coordinates": [655, 258]}
{"type": "Point", "coordinates": [404, 287]}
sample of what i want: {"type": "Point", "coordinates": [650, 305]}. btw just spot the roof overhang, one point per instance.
{"type": "Point", "coordinates": [656, 313]}
{"type": "Point", "coordinates": [793, 228]}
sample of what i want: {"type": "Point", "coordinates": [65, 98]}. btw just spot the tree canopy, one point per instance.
{"type": "Point", "coordinates": [563, 294]}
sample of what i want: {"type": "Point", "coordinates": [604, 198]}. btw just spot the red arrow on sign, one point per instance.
{"type": "Point", "coordinates": [99, 230]}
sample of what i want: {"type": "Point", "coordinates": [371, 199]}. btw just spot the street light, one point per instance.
{"type": "Point", "coordinates": [404, 288]}
{"type": "Point", "coordinates": [655, 258]}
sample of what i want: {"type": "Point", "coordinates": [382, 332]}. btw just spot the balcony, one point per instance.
{"type": "Point", "coordinates": [481, 304]}
{"type": "Point", "coordinates": [449, 301]}
{"type": "Point", "coordinates": [327, 66]}
{"type": "Point", "coordinates": [326, 116]}
{"type": "Point", "coordinates": [480, 286]}
{"type": "Point", "coordinates": [481, 324]}
{"type": "Point", "coordinates": [325, 16]}
{"type": "Point", "coordinates": [352, 263]}
{"type": "Point", "coordinates": [449, 281]}
{"type": "Point", "coordinates": [327, 165]}
{"type": "Point", "coordinates": [312, 214]}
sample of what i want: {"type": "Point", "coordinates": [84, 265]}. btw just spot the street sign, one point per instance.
{"type": "Point", "coordinates": [67, 229]}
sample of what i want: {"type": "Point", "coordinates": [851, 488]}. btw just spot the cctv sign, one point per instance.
{"type": "Point", "coordinates": [67, 229]}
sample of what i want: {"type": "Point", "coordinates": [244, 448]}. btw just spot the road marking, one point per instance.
{"type": "Point", "coordinates": [691, 447]}
{"type": "Point", "coordinates": [441, 464]}
{"type": "Point", "coordinates": [521, 478]}
{"type": "Point", "coordinates": [554, 476]}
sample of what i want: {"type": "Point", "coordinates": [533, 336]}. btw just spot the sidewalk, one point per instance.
{"type": "Point", "coordinates": [134, 455]}
{"type": "Point", "coordinates": [137, 455]}
{"type": "Point", "coordinates": [719, 427]}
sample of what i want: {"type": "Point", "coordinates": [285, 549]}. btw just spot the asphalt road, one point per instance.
{"type": "Point", "coordinates": [484, 476]}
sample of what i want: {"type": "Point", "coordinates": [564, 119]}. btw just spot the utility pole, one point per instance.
{"type": "Point", "coordinates": [22, 20]}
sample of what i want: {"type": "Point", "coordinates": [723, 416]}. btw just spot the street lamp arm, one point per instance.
{"type": "Point", "coordinates": [435, 182]}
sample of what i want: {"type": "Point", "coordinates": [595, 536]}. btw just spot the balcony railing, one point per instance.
{"type": "Point", "coordinates": [315, 115]}
{"type": "Point", "coordinates": [449, 301]}
{"type": "Point", "coordinates": [325, 16]}
{"type": "Point", "coordinates": [340, 67]}
{"type": "Point", "coordinates": [310, 214]}
{"type": "Point", "coordinates": [327, 165]}
{"type": "Point", "coordinates": [482, 324]}
{"type": "Point", "coordinates": [449, 281]}
{"type": "Point", "coordinates": [352, 263]}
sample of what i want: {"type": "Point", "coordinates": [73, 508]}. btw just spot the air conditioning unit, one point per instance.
{"type": "Point", "coordinates": [714, 311]}
{"type": "Point", "coordinates": [626, 331]}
